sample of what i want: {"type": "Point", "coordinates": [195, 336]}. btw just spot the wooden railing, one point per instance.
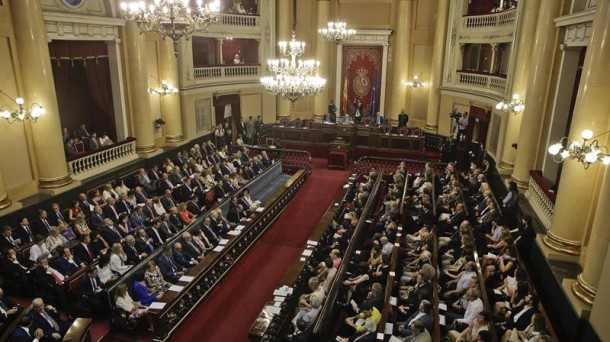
{"type": "Point", "coordinates": [482, 81]}
{"type": "Point", "coordinates": [541, 198]}
{"type": "Point", "coordinates": [92, 161]}
{"type": "Point", "coordinates": [490, 20]}
{"type": "Point", "coordinates": [229, 71]}
{"type": "Point", "coordinates": [292, 160]}
{"type": "Point", "coordinates": [389, 165]}
{"type": "Point", "coordinates": [326, 317]}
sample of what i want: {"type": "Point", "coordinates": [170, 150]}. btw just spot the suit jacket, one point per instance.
{"type": "Point", "coordinates": [182, 259]}
{"type": "Point", "coordinates": [212, 236]}
{"type": "Point", "coordinates": [85, 206]}
{"type": "Point", "coordinates": [154, 176]}
{"type": "Point", "coordinates": [133, 255]}
{"type": "Point", "coordinates": [166, 184]}
{"type": "Point", "coordinates": [142, 245]}
{"type": "Point", "coordinates": [39, 322]}
{"type": "Point", "coordinates": [194, 208]}
{"type": "Point", "coordinates": [64, 267]}
{"type": "Point", "coordinates": [523, 321]}
{"type": "Point", "coordinates": [157, 236]}
{"type": "Point", "coordinates": [141, 197]}
{"type": "Point", "coordinates": [6, 244]}
{"type": "Point", "coordinates": [111, 236]}
{"type": "Point", "coordinates": [22, 234]}
{"type": "Point", "coordinates": [86, 286]}
{"type": "Point", "coordinates": [81, 253]}
{"type": "Point", "coordinates": [175, 178]}
{"type": "Point", "coordinates": [190, 249]}
{"type": "Point", "coordinates": [109, 213]}
{"type": "Point", "coordinates": [303, 336]}
{"type": "Point", "coordinates": [10, 269]}
{"type": "Point", "coordinates": [235, 217]}
{"type": "Point", "coordinates": [97, 221]}
{"type": "Point", "coordinates": [168, 229]}
{"type": "Point", "coordinates": [175, 220]}
{"type": "Point", "coordinates": [168, 203]}
{"type": "Point", "coordinates": [186, 193]}
{"type": "Point", "coordinates": [168, 267]}
{"type": "Point", "coordinates": [40, 227]}
{"type": "Point", "coordinates": [137, 220]}
{"type": "Point", "coordinates": [124, 207]}
{"type": "Point", "coordinates": [19, 335]}
{"type": "Point", "coordinates": [55, 217]}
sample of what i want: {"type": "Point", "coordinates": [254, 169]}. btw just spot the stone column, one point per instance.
{"type": "Point", "coordinates": [585, 286]}
{"type": "Point", "coordinates": [436, 67]}
{"type": "Point", "coordinates": [494, 57]}
{"type": "Point", "coordinates": [142, 120]}
{"type": "Point", "coordinates": [544, 33]}
{"type": "Point", "coordinates": [322, 54]}
{"type": "Point", "coordinates": [5, 201]}
{"type": "Point", "coordinates": [401, 59]}
{"type": "Point", "coordinates": [283, 34]}
{"type": "Point", "coordinates": [170, 104]}
{"type": "Point", "coordinates": [577, 186]}
{"type": "Point", "coordinates": [38, 86]}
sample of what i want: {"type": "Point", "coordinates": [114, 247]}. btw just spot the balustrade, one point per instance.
{"type": "Point", "coordinates": [490, 20]}
{"type": "Point", "coordinates": [541, 198]}
{"type": "Point", "coordinates": [95, 160]}
{"type": "Point", "coordinates": [231, 71]}
{"type": "Point", "coordinates": [239, 20]}
{"type": "Point", "coordinates": [495, 83]}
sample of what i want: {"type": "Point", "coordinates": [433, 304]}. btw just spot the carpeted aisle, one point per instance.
{"type": "Point", "coordinates": [232, 308]}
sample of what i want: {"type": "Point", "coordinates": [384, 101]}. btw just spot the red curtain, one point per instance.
{"type": "Point", "coordinates": [362, 69]}
{"type": "Point", "coordinates": [482, 115]}
{"type": "Point", "coordinates": [219, 108]}
{"type": "Point", "coordinates": [81, 73]}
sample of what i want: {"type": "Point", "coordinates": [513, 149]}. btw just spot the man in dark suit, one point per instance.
{"type": "Point", "coordinates": [521, 317]}
{"type": "Point", "coordinates": [186, 190]}
{"type": "Point", "coordinates": [56, 216]}
{"type": "Point", "coordinates": [110, 233]}
{"type": "Point", "coordinates": [49, 283]}
{"type": "Point", "coordinates": [190, 248]}
{"type": "Point", "coordinates": [42, 224]}
{"type": "Point", "coordinates": [137, 218]}
{"type": "Point", "coordinates": [7, 241]}
{"type": "Point", "coordinates": [165, 183]}
{"type": "Point", "coordinates": [170, 270]}
{"type": "Point", "coordinates": [192, 205]}
{"type": "Point", "coordinates": [155, 233]}
{"type": "Point", "coordinates": [24, 232]}
{"type": "Point", "coordinates": [16, 274]}
{"type": "Point", "coordinates": [236, 214]}
{"type": "Point", "coordinates": [83, 251]}
{"type": "Point", "coordinates": [209, 232]}
{"type": "Point", "coordinates": [82, 132]}
{"type": "Point", "coordinates": [175, 176]}
{"type": "Point", "coordinates": [167, 227]}
{"type": "Point", "coordinates": [423, 315]}
{"type": "Point", "coordinates": [144, 243]}
{"type": "Point", "coordinates": [182, 259]}
{"type": "Point", "coordinates": [66, 263]}
{"type": "Point", "coordinates": [123, 205]}
{"type": "Point", "coordinates": [154, 175]}
{"type": "Point", "coordinates": [8, 311]}
{"type": "Point", "coordinates": [180, 159]}
{"type": "Point", "coordinates": [303, 332]}
{"type": "Point", "coordinates": [85, 205]}
{"type": "Point", "coordinates": [111, 211]}
{"type": "Point", "coordinates": [134, 256]}
{"type": "Point", "coordinates": [141, 195]}
{"type": "Point", "coordinates": [90, 288]}
{"type": "Point", "coordinates": [403, 119]}
{"type": "Point", "coordinates": [25, 333]}
{"type": "Point", "coordinates": [241, 127]}
{"type": "Point", "coordinates": [175, 219]}
{"type": "Point", "coordinates": [96, 221]}
{"type": "Point", "coordinates": [47, 319]}
{"type": "Point", "coordinates": [168, 201]}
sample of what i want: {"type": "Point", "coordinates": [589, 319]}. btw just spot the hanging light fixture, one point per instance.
{"type": "Point", "coordinates": [415, 82]}
{"type": "Point", "coordinates": [337, 32]}
{"type": "Point", "coordinates": [21, 113]}
{"type": "Point", "coordinates": [172, 18]}
{"type": "Point", "coordinates": [515, 105]}
{"type": "Point", "coordinates": [586, 152]}
{"type": "Point", "coordinates": [293, 79]}
{"type": "Point", "coordinates": [164, 89]}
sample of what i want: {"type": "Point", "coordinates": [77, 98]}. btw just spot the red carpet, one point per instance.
{"type": "Point", "coordinates": [231, 309]}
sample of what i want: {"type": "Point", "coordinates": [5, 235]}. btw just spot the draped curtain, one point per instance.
{"type": "Point", "coordinates": [81, 72]}
{"type": "Point", "coordinates": [483, 116]}
{"type": "Point", "coordinates": [219, 109]}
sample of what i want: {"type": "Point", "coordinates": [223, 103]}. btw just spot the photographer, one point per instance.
{"type": "Point", "coordinates": [462, 126]}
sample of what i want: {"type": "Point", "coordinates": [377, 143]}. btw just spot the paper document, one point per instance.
{"type": "Point", "coordinates": [392, 274]}
{"type": "Point", "coordinates": [156, 305]}
{"type": "Point", "coordinates": [357, 252]}
{"type": "Point", "coordinates": [336, 204]}
{"type": "Point", "coordinates": [260, 209]}
{"type": "Point", "coordinates": [311, 242]}
{"type": "Point", "coordinates": [176, 288]}
{"type": "Point", "coordinates": [248, 219]}
{"type": "Point", "coordinates": [346, 186]}
{"type": "Point", "coordinates": [389, 327]}
{"type": "Point", "coordinates": [393, 301]}
{"type": "Point", "coordinates": [279, 299]}
{"type": "Point", "coordinates": [307, 252]}
{"type": "Point", "coordinates": [442, 306]}
{"type": "Point", "coordinates": [186, 279]}
{"type": "Point", "coordinates": [441, 319]}
{"type": "Point", "coordinates": [354, 305]}
{"type": "Point", "coordinates": [380, 336]}
{"type": "Point", "coordinates": [234, 232]}
{"type": "Point", "coordinates": [240, 227]}
{"type": "Point", "coordinates": [277, 304]}
{"type": "Point", "coordinates": [223, 242]}
{"type": "Point", "coordinates": [303, 259]}
{"type": "Point", "coordinates": [218, 248]}
{"type": "Point", "coordinates": [272, 309]}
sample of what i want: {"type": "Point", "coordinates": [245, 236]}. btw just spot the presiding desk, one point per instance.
{"type": "Point", "coordinates": [318, 138]}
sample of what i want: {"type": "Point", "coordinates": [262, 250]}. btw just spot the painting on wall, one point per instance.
{"type": "Point", "coordinates": [361, 78]}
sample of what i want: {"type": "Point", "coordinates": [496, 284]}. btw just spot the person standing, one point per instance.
{"type": "Point", "coordinates": [250, 130]}
{"type": "Point", "coordinates": [258, 128]}
{"type": "Point", "coordinates": [403, 119]}
{"type": "Point", "coordinates": [358, 110]}
{"type": "Point", "coordinates": [462, 127]}
{"type": "Point", "coordinates": [332, 112]}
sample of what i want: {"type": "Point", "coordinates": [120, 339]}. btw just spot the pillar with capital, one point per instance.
{"type": "Point", "coordinates": [283, 34]}
{"type": "Point", "coordinates": [436, 67]}
{"type": "Point", "coordinates": [170, 104]}
{"type": "Point", "coordinates": [321, 100]}
{"type": "Point", "coordinates": [578, 186]}
{"type": "Point", "coordinates": [5, 201]}
{"type": "Point", "coordinates": [400, 59]}
{"type": "Point", "coordinates": [533, 20]}
{"type": "Point", "coordinates": [138, 89]}
{"type": "Point", "coordinates": [38, 86]}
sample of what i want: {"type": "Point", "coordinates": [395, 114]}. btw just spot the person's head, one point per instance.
{"type": "Point", "coordinates": [417, 327]}
{"type": "Point", "coordinates": [376, 289]}
{"type": "Point", "coordinates": [178, 247]}
{"type": "Point", "coordinates": [484, 317]}
{"type": "Point", "coordinates": [484, 336]}
{"type": "Point", "coordinates": [139, 277]}
{"type": "Point", "coordinates": [130, 240]}
{"type": "Point", "coordinates": [121, 291]}
{"type": "Point", "coordinates": [38, 305]}
{"type": "Point", "coordinates": [66, 252]}
{"type": "Point", "coordinates": [6, 231]}
{"type": "Point", "coordinates": [526, 220]}
{"type": "Point", "coordinates": [425, 306]}
{"type": "Point", "coordinates": [313, 283]}
{"type": "Point", "coordinates": [167, 250]}
{"type": "Point", "coordinates": [92, 272]}
{"type": "Point", "coordinates": [117, 248]}
{"type": "Point", "coordinates": [39, 240]}
{"type": "Point", "coordinates": [187, 236]}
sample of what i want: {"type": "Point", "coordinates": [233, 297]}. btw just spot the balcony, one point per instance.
{"type": "Point", "coordinates": [541, 198]}
{"type": "Point", "coordinates": [228, 73]}
{"type": "Point", "coordinates": [492, 20]}
{"type": "Point", "coordinates": [245, 25]}
{"type": "Point", "coordinates": [486, 82]}
{"type": "Point", "coordinates": [104, 159]}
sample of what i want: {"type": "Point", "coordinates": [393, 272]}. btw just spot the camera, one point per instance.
{"type": "Point", "coordinates": [455, 114]}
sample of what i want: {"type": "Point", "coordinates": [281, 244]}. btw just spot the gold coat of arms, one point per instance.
{"type": "Point", "coordinates": [361, 82]}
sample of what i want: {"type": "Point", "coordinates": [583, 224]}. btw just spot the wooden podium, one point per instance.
{"type": "Point", "coordinates": [338, 154]}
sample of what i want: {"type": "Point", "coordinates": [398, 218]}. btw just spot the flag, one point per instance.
{"type": "Point", "coordinates": [344, 98]}
{"type": "Point", "coordinates": [374, 98]}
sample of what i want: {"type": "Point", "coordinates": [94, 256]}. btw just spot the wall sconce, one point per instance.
{"type": "Point", "coordinates": [586, 152]}
{"type": "Point", "coordinates": [165, 89]}
{"type": "Point", "coordinates": [22, 113]}
{"type": "Point", "coordinates": [515, 105]}
{"type": "Point", "coordinates": [415, 82]}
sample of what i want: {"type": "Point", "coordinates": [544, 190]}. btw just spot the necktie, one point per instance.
{"type": "Point", "coordinates": [93, 284]}
{"type": "Point", "coordinates": [116, 232]}
{"type": "Point", "coordinates": [27, 229]}
{"type": "Point", "coordinates": [60, 216]}
{"type": "Point", "coordinates": [46, 224]}
{"type": "Point", "coordinates": [134, 250]}
{"type": "Point", "coordinates": [174, 268]}
{"type": "Point", "coordinates": [127, 207]}
{"type": "Point", "coordinates": [50, 320]}
{"type": "Point", "coordinates": [88, 251]}
{"type": "Point", "coordinates": [114, 211]}
{"type": "Point", "coordinates": [213, 234]}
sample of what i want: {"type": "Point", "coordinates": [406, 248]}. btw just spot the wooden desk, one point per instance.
{"type": "Point", "coordinates": [79, 331]}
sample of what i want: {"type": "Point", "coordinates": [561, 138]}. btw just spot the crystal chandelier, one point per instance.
{"type": "Point", "coordinates": [586, 152]}
{"type": "Point", "coordinates": [515, 105]}
{"type": "Point", "coordinates": [164, 89]}
{"type": "Point", "coordinates": [337, 32]}
{"type": "Point", "coordinates": [172, 18]}
{"type": "Point", "coordinates": [22, 113]}
{"type": "Point", "coordinates": [415, 82]}
{"type": "Point", "coordinates": [294, 79]}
